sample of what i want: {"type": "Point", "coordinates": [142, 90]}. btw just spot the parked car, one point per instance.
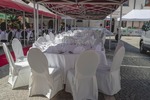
{"type": "Point", "coordinates": [145, 42]}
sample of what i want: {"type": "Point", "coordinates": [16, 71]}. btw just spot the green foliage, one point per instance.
{"type": "Point", "coordinates": [146, 26]}
{"type": "Point", "coordinates": [3, 26]}
{"type": "Point", "coordinates": [14, 22]}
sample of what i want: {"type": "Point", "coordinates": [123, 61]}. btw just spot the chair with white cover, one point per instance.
{"type": "Point", "coordinates": [48, 38]}
{"type": "Point", "coordinates": [44, 35]}
{"type": "Point", "coordinates": [41, 39]}
{"type": "Point", "coordinates": [17, 48]}
{"type": "Point", "coordinates": [18, 72]}
{"type": "Point", "coordinates": [108, 77]}
{"type": "Point", "coordinates": [82, 81]}
{"type": "Point", "coordinates": [52, 37]}
{"type": "Point", "coordinates": [119, 44]}
{"type": "Point", "coordinates": [44, 80]}
{"type": "Point", "coordinates": [101, 51]}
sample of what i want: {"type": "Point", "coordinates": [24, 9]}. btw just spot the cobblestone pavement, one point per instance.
{"type": "Point", "coordinates": [135, 77]}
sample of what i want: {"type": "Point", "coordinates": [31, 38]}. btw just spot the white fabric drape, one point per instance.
{"type": "Point", "coordinates": [82, 79]}
{"type": "Point", "coordinates": [108, 77]}
{"type": "Point", "coordinates": [44, 80]}
{"type": "Point", "coordinates": [17, 48]}
{"type": "Point", "coordinates": [18, 72]}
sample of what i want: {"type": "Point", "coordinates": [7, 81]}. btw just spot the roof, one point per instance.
{"type": "Point", "coordinates": [18, 6]}
{"type": "Point", "coordinates": [137, 15]}
{"type": "Point", "coordinates": [10, 4]}
{"type": "Point", "coordinates": [44, 10]}
{"type": "Point", "coordinates": [83, 9]}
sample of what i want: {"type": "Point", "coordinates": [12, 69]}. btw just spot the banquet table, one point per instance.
{"type": "Point", "coordinates": [64, 61]}
{"type": "Point", "coordinates": [66, 48]}
{"type": "Point", "coordinates": [67, 61]}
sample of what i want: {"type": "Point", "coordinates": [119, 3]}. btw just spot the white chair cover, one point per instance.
{"type": "Point", "coordinates": [82, 80]}
{"type": "Point", "coordinates": [18, 72]}
{"type": "Point", "coordinates": [44, 35]}
{"type": "Point", "coordinates": [98, 47]}
{"type": "Point", "coordinates": [44, 80]}
{"type": "Point", "coordinates": [52, 37]}
{"type": "Point", "coordinates": [41, 39]}
{"type": "Point", "coordinates": [79, 49]}
{"type": "Point", "coordinates": [101, 51]}
{"type": "Point", "coordinates": [119, 44]}
{"type": "Point", "coordinates": [108, 78]}
{"type": "Point", "coordinates": [47, 38]}
{"type": "Point", "coordinates": [17, 48]}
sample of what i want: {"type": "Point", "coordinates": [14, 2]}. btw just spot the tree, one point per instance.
{"type": "Point", "coordinates": [14, 22]}
{"type": "Point", "coordinates": [146, 26]}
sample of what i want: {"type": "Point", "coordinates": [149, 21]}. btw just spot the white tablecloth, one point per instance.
{"type": "Point", "coordinates": [65, 61]}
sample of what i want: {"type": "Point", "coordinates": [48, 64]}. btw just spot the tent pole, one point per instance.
{"type": "Point", "coordinates": [65, 24]}
{"type": "Point", "coordinates": [6, 19]}
{"type": "Point", "coordinates": [120, 22]}
{"type": "Point", "coordinates": [55, 24]}
{"type": "Point", "coordinates": [34, 20]}
{"type": "Point", "coordinates": [110, 31]}
{"type": "Point", "coordinates": [71, 23]}
{"type": "Point", "coordinates": [24, 27]}
{"type": "Point", "coordinates": [37, 12]}
{"type": "Point", "coordinates": [42, 23]}
{"type": "Point", "coordinates": [75, 24]}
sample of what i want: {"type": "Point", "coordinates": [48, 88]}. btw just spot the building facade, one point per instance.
{"type": "Point", "coordinates": [127, 7]}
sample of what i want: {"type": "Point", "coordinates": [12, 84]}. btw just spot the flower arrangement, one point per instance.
{"type": "Point", "coordinates": [146, 26]}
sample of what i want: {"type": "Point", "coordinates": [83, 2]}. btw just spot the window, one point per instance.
{"type": "Point", "coordinates": [79, 21]}
{"type": "Point", "coordinates": [126, 3]}
{"type": "Point", "coordinates": [147, 2]}
{"type": "Point", "coordinates": [124, 23]}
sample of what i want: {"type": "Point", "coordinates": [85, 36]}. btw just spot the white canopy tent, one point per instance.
{"type": "Point", "coordinates": [107, 18]}
{"type": "Point", "coordinates": [137, 15]}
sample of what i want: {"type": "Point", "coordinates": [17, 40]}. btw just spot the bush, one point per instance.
{"type": "Point", "coordinates": [146, 26]}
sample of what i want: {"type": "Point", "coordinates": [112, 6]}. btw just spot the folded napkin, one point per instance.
{"type": "Point", "coordinates": [79, 49]}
